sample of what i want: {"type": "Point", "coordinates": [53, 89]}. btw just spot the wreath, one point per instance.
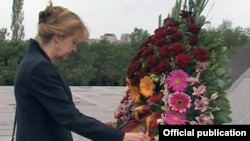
{"type": "Point", "coordinates": [177, 77]}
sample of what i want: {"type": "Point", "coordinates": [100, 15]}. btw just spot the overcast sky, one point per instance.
{"type": "Point", "coordinates": [122, 16]}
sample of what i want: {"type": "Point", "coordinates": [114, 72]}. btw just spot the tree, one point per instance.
{"type": "Point", "coordinates": [226, 25]}
{"type": "Point", "coordinates": [247, 32]}
{"type": "Point", "coordinates": [17, 19]}
{"type": "Point", "coordinates": [234, 37]}
{"type": "Point", "coordinates": [3, 33]}
{"type": "Point", "coordinates": [138, 36]}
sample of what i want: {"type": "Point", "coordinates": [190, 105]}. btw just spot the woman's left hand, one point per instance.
{"type": "Point", "coordinates": [110, 124]}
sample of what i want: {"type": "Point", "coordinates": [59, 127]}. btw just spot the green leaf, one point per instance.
{"type": "Point", "coordinates": [221, 71]}
{"type": "Point", "coordinates": [222, 116]}
{"type": "Point", "coordinates": [223, 103]}
{"type": "Point", "coordinates": [201, 20]}
{"type": "Point", "coordinates": [220, 83]}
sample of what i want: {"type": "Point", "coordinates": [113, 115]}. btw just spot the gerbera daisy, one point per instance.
{"type": "Point", "coordinates": [147, 86]}
{"type": "Point", "coordinates": [179, 101]}
{"type": "Point", "coordinates": [175, 118]}
{"type": "Point", "coordinates": [177, 80]}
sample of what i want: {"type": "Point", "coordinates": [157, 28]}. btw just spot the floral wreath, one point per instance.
{"type": "Point", "coordinates": [176, 77]}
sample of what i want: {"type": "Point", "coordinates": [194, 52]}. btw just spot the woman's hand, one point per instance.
{"type": "Point", "coordinates": [110, 124]}
{"type": "Point", "coordinates": [136, 137]}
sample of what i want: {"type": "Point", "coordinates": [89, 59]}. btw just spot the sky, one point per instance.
{"type": "Point", "coordinates": [122, 16]}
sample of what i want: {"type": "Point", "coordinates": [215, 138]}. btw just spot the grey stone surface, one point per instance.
{"type": "Point", "coordinates": [239, 62]}
{"type": "Point", "coordinates": [101, 102]}
{"type": "Point", "coordinates": [239, 96]}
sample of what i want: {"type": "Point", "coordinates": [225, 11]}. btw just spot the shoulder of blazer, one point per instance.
{"type": "Point", "coordinates": [37, 57]}
{"type": "Point", "coordinates": [35, 51]}
{"type": "Point", "coordinates": [35, 60]}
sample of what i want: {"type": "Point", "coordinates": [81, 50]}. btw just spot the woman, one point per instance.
{"type": "Point", "coordinates": [45, 109]}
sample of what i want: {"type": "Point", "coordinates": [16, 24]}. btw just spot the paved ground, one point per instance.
{"type": "Point", "coordinates": [239, 62]}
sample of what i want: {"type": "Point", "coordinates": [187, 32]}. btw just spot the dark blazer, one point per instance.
{"type": "Point", "coordinates": [45, 109]}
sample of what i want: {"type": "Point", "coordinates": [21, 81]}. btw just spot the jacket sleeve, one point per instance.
{"type": "Point", "coordinates": [47, 87]}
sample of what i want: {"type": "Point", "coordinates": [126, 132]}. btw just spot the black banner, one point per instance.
{"type": "Point", "coordinates": [200, 132]}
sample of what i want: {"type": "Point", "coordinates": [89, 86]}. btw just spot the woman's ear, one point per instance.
{"type": "Point", "coordinates": [57, 38]}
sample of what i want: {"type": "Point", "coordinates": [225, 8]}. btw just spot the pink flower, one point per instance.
{"type": "Point", "coordinates": [194, 80]}
{"type": "Point", "coordinates": [199, 91]}
{"type": "Point", "coordinates": [205, 119]}
{"type": "Point", "coordinates": [213, 97]}
{"type": "Point", "coordinates": [177, 80]}
{"type": "Point", "coordinates": [179, 101]}
{"type": "Point", "coordinates": [192, 122]}
{"type": "Point", "coordinates": [202, 66]}
{"type": "Point", "coordinates": [175, 118]}
{"type": "Point", "coordinates": [201, 104]}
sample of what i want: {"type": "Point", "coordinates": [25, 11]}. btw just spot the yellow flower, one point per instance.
{"type": "Point", "coordinates": [147, 86]}
{"type": "Point", "coordinates": [135, 94]}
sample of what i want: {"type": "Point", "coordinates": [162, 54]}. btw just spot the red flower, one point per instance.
{"type": "Point", "coordinates": [151, 61]}
{"type": "Point", "coordinates": [142, 73]}
{"type": "Point", "coordinates": [155, 70]}
{"type": "Point", "coordinates": [146, 108]}
{"type": "Point", "coordinates": [136, 65]}
{"type": "Point", "coordinates": [194, 28]}
{"type": "Point", "coordinates": [193, 40]}
{"type": "Point", "coordinates": [185, 14]}
{"type": "Point", "coordinates": [142, 49]}
{"type": "Point", "coordinates": [164, 51]}
{"type": "Point", "coordinates": [160, 42]}
{"type": "Point", "coordinates": [176, 36]}
{"type": "Point", "coordinates": [171, 30]}
{"type": "Point", "coordinates": [160, 32]}
{"type": "Point", "coordinates": [177, 48]}
{"type": "Point", "coordinates": [183, 60]}
{"type": "Point", "coordinates": [164, 65]}
{"type": "Point", "coordinates": [169, 22]}
{"type": "Point", "coordinates": [148, 51]}
{"type": "Point", "coordinates": [190, 20]}
{"type": "Point", "coordinates": [134, 80]}
{"type": "Point", "coordinates": [156, 98]}
{"type": "Point", "coordinates": [200, 54]}
{"type": "Point", "coordinates": [153, 123]}
{"type": "Point", "coordinates": [151, 39]}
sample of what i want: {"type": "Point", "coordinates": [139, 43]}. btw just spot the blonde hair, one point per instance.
{"type": "Point", "coordinates": [57, 20]}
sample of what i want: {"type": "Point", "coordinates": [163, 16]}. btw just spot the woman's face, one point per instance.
{"type": "Point", "coordinates": [66, 46]}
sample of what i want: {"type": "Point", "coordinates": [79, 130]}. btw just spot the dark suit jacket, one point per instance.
{"type": "Point", "coordinates": [45, 109]}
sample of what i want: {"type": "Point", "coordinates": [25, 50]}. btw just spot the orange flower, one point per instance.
{"type": "Point", "coordinates": [147, 86]}
{"type": "Point", "coordinates": [135, 94]}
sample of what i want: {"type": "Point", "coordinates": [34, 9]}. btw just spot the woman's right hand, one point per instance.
{"type": "Point", "coordinates": [136, 137]}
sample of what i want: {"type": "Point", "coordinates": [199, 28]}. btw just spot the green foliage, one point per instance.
{"type": "Point", "coordinates": [99, 63]}
{"type": "Point", "coordinates": [217, 78]}
{"type": "Point", "coordinates": [11, 54]}
{"type": "Point", "coordinates": [138, 36]}
{"type": "Point", "coordinates": [195, 6]}
{"type": "Point", "coordinates": [3, 34]}
{"type": "Point", "coordinates": [222, 116]}
{"type": "Point", "coordinates": [17, 19]}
